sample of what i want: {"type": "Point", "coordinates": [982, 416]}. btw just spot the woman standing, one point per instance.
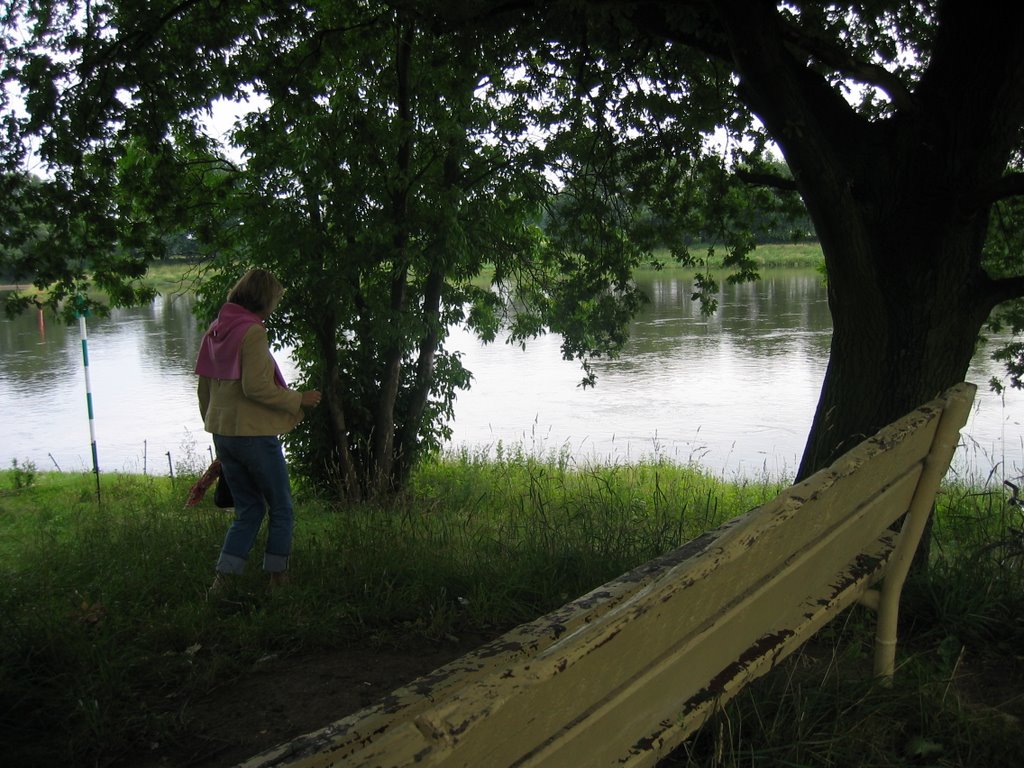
{"type": "Point", "coordinates": [246, 405]}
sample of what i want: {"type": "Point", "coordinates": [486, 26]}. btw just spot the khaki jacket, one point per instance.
{"type": "Point", "coordinates": [254, 405]}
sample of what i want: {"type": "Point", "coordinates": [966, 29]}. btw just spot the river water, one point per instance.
{"type": "Point", "coordinates": [734, 393]}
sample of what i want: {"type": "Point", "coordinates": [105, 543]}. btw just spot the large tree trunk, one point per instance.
{"type": "Point", "coordinates": [897, 345]}
{"type": "Point", "coordinates": [900, 207]}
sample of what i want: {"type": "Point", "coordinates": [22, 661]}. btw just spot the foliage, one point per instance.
{"type": "Point", "coordinates": [818, 709]}
{"type": "Point", "coordinates": [1003, 249]}
{"type": "Point", "coordinates": [23, 475]}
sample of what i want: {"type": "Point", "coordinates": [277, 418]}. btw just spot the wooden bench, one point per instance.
{"type": "Point", "coordinates": [623, 674]}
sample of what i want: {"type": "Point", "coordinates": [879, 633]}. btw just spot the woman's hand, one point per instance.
{"type": "Point", "coordinates": [311, 398]}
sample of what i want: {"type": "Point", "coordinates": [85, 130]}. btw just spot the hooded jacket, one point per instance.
{"type": "Point", "coordinates": [241, 389]}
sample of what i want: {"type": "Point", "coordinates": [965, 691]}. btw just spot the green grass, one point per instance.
{"type": "Point", "coordinates": [167, 278]}
{"type": "Point", "coordinates": [818, 709]}
{"type": "Point", "coordinates": [173, 277]}
{"type": "Point", "coordinates": [108, 637]}
{"type": "Point", "coordinates": [799, 255]}
{"type": "Point", "coordinates": [766, 256]}
{"type": "Point", "coordinates": [956, 699]}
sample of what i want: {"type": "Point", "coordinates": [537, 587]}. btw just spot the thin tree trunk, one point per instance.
{"type": "Point", "coordinates": [384, 426]}
{"type": "Point", "coordinates": [345, 475]}
{"type": "Point", "coordinates": [343, 471]}
{"type": "Point", "coordinates": [420, 394]}
{"type": "Point", "coordinates": [432, 334]}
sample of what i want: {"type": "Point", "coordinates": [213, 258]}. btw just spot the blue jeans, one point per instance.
{"type": "Point", "coordinates": [258, 477]}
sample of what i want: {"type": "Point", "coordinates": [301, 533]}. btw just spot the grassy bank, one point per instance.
{"type": "Point", "coordinates": [766, 256]}
{"type": "Point", "coordinates": [108, 636]}
{"type": "Point", "coordinates": [178, 276]}
{"type": "Point", "coordinates": [172, 276]}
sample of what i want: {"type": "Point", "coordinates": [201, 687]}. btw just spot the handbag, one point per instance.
{"type": "Point", "coordinates": [212, 477]}
{"type": "Point", "coordinates": [222, 493]}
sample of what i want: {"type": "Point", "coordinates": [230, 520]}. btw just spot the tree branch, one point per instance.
{"type": "Point", "coordinates": [136, 40]}
{"type": "Point", "coordinates": [1010, 185]}
{"type": "Point", "coordinates": [767, 180]}
{"type": "Point", "coordinates": [1007, 289]}
{"type": "Point", "coordinates": [692, 24]}
{"type": "Point", "coordinates": [834, 56]}
{"type": "Point", "coordinates": [689, 23]}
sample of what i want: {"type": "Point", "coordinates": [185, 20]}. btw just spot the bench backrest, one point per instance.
{"type": "Point", "coordinates": [621, 675]}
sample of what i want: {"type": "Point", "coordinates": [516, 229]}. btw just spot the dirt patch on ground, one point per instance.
{"type": "Point", "coordinates": [994, 684]}
{"type": "Point", "coordinates": [285, 698]}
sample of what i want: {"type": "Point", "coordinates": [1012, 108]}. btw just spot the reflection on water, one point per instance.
{"type": "Point", "coordinates": [140, 367]}
{"type": "Point", "coordinates": [734, 392]}
{"type": "Point", "coordinates": [687, 387]}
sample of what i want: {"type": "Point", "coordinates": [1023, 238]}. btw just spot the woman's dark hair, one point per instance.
{"type": "Point", "coordinates": [258, 291]}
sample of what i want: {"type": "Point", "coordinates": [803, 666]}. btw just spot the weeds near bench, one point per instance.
{"type": "Point", "coordinates": [956, 699]}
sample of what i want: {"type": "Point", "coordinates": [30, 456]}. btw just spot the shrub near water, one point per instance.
{"type": "Point", "coordinates": [108, 636]}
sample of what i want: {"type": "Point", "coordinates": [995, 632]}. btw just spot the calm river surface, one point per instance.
{"type": "Point", "coordinates": [734, 393]}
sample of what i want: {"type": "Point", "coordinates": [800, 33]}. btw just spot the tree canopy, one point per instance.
{"type": "Point", "coordinates": [394, 151]}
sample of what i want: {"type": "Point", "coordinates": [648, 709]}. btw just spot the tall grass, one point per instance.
{"type": "Point", "coordinates": [108, 635]}
{"type": "Point", "coordinates": [819, 709]}
{"type": "Point", "coordinates": [956, 699]}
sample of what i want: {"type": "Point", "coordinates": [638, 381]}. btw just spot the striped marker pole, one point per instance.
{"type": "Point", "coordinates": [88, 396]}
